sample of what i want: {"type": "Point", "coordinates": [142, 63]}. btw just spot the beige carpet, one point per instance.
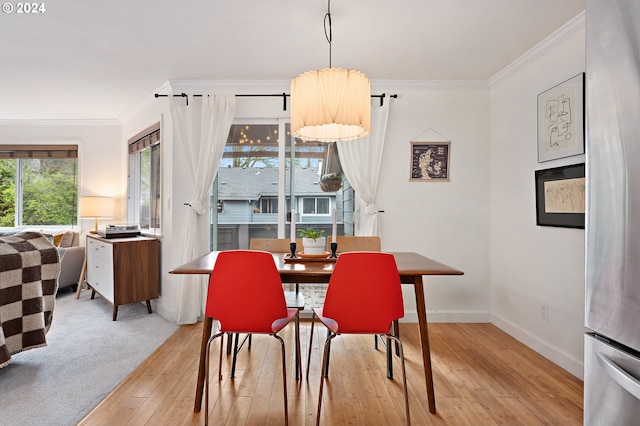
{"type": "Point", "coordinates": [87, 356]}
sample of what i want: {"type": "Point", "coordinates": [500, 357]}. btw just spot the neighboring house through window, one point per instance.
{"type": "Point", "coordinates": [38, 185]}
{"type": "Point", "coordinates": [264, 174]}
{"type": "Point", "coordinates": [144, 179]}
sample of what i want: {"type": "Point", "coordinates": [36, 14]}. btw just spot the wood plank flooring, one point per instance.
{"type": "Point", "coordinates": [482, 376]}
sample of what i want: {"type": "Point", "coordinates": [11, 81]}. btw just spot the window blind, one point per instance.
{"type": "Point", "coordinates": [38, 151]}
{"type": "Point", "coordinates": [145, 139]}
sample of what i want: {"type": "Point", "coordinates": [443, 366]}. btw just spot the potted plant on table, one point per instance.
{"type": "Point", "coordinates": [312, 240]}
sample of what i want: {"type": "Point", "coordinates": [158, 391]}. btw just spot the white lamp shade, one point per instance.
{"type": "Point", "coordinates": [97, 207]}
{"type": "Point", "coordinates": [331, 105]}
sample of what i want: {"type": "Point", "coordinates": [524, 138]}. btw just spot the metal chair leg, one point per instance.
{"type": "Point", "coordinates": [313, 320]}
{"type": "Point", "coordinates": [404, 377]}
{"type": "Point", "coordinates": [325, 359]}
{"type": "Point", "coordinates": [389, 360]}
{"type": "Point", "coordinates": [298, 353]}
{"type": "Point", "coordinates": [235, 355]}
{"type": "Point", "coordinates": [206, 369]}
{"type": "Point", "coordinates": [326, 366]}
{"type": "Point", "coordinates": [284, 379]}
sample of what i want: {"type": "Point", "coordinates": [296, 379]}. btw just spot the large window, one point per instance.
{"type": "Point", "coordinates": [38, 185]}
{"type": "Point", "coordinates": [264, 174]}
{"type": "Point", "coordinates": [144, 179]}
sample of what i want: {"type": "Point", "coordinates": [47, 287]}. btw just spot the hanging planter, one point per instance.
{"type": "Point", "coordinates": [331, 177]}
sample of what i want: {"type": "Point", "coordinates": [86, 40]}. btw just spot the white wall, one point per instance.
{"type": "Point", "coordinates": [447, 221]}
{"type": "Point", "coordinates": [534, 265]}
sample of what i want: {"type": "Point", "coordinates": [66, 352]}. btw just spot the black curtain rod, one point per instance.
{"type": "Point", "coordinates": [284, 97]}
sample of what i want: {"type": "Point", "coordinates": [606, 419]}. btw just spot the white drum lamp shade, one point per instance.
{"type": "Point", "coordinates": [330, 105]}
{"type": "Point", "coordinates": [97, 208]}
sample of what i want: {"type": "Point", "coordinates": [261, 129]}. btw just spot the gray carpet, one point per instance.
{"type": "Point", "coordinates": [87, 356]}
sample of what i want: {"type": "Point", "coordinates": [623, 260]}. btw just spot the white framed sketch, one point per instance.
{"type": "Point", "coordinates": [561, 120]}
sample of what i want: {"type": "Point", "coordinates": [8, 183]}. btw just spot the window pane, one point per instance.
{"type": "Point", "coordinates": [268, 205]}
{"type": "Point", "coordinates": [7, 192]}
{"type": "Point", "coordinates": [247, 185]}
{"type": "Point", "coordinates": [149, 193]}
{"type": "Point", "coordinates": [49, 191]}
{"type": "Point", "coordinates": [145, 188]}
{"type": "Point", "coordinates": [322, 205]}
{"type": "Point", "coordinates": [309, 205]}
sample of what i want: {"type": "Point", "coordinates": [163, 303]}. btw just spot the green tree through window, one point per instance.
{"type": "Point", "coordinates": [47, 189]}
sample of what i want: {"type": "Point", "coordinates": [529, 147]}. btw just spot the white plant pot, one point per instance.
{"type": "Point", "coordinates": [314, 246]}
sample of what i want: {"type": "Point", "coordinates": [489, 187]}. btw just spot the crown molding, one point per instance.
{"type": "Point", "coordinates": [66, 122]}
{"type": "Point", "coordinates": [558, 37]}
{"type": "Point", "coordinates": [147, 102]}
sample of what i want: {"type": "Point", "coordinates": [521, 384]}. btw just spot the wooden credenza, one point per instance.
{"type": "Point", "coordinates": [123, 270]}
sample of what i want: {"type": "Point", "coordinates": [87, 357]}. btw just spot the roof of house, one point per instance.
{"type": "Point", "coordinates": [251, 183]}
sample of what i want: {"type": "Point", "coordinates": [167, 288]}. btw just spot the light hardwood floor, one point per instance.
{"type": "Point", "coordinates": [482, 376]}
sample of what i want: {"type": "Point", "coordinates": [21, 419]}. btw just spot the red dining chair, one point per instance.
{"type": "Point", "coordinates": [373, 280]}
{"type": "Point", "coordinates": [245, 295]}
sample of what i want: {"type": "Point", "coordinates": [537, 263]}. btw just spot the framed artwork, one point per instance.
{"type": "Point", "coordinates": [560, 196]}
{"type": "Point", "coordinates": [430, 161]}
{"type": "Point", "coordinates": [561, 120]}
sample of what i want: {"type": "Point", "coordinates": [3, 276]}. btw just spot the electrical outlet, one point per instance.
{"type": "Point", "coordinates": [544, 312]}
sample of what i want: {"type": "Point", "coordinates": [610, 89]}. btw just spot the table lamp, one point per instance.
{"type": "Point", "coordinates": [96, 208]}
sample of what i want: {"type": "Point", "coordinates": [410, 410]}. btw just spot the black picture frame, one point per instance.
{"type": "Point", "coordinates": [430, 161]}
{"type": "Point", "coordinates": [560, 196]}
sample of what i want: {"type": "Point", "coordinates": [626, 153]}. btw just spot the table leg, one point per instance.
{"type": "Point", "coordinates": [424, 340]}
{"type": "Point", "coordinates": [206, 333]}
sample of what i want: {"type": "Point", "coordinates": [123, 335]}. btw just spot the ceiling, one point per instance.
{"type": "Point", "coordinates": [98, 60]}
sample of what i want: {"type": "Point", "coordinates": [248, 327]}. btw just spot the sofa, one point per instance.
{"type": "Point", "coordinates": [71, 258]}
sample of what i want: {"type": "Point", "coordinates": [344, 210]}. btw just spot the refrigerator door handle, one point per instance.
{"type": "Point", "coordinates": [621, 377]}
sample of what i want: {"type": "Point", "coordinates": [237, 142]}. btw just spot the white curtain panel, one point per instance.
{"type": "Point", "coordinates": [360, 160]}
{"type": "Point", "coordinates": [200, 130]}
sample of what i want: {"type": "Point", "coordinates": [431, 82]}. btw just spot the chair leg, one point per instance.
{"type": "Point", "coordinates": [313, 320]}
{"type": "Point", "coordinates": [404, 377]}
{"type": "Point", "coordinates": [235, 355]}
{"type": "Point", "coordinates": [206, 369]}
{"type": "Point", "coordinates": [389, 360]}
{"type": "Point", "coordinates": [298, 354]}
{"type": "Point", "coordinates": [326, 366]}
{"type": "Point", "coordinates": [220, 360]}
{"type": "Point", "coordinates": [229, 343]}
{"type": "Point", "coordinates": [325, 360]}
{"type": "Point", "coordinates": [396, 332]}
{"type": "Point", "coordinates": [284, 379]}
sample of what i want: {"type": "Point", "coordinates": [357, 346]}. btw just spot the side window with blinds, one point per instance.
{"type": "Point", "coordinates": [38, 185]}
{"type": "Point", "coordinates": [144, 180]}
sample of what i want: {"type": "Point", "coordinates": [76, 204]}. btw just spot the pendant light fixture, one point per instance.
{"type": "Point", "coordinates": [332, 104]}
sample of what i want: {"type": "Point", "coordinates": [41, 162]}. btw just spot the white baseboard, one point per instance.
{"type": "Point", "coordinates": [159, 308]}
{"type": "Point", "coordinates": [544, 348]}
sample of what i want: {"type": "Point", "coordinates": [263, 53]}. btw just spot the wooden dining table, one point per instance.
{"type": "Point", "coordinates": [411, 266]}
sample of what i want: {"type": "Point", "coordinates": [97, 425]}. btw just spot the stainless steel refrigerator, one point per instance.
{"type": "Point", "coordinates": [612, 313]}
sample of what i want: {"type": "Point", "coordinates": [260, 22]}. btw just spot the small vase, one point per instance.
{"type": "Point", "coordinates": [314, 246]}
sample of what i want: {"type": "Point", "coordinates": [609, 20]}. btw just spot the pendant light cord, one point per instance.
{"type": "Point", "coordinates": [328, 35]}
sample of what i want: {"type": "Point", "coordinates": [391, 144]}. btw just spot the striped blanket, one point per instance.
{"type": "Point", "coordinates": [29, 270]}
